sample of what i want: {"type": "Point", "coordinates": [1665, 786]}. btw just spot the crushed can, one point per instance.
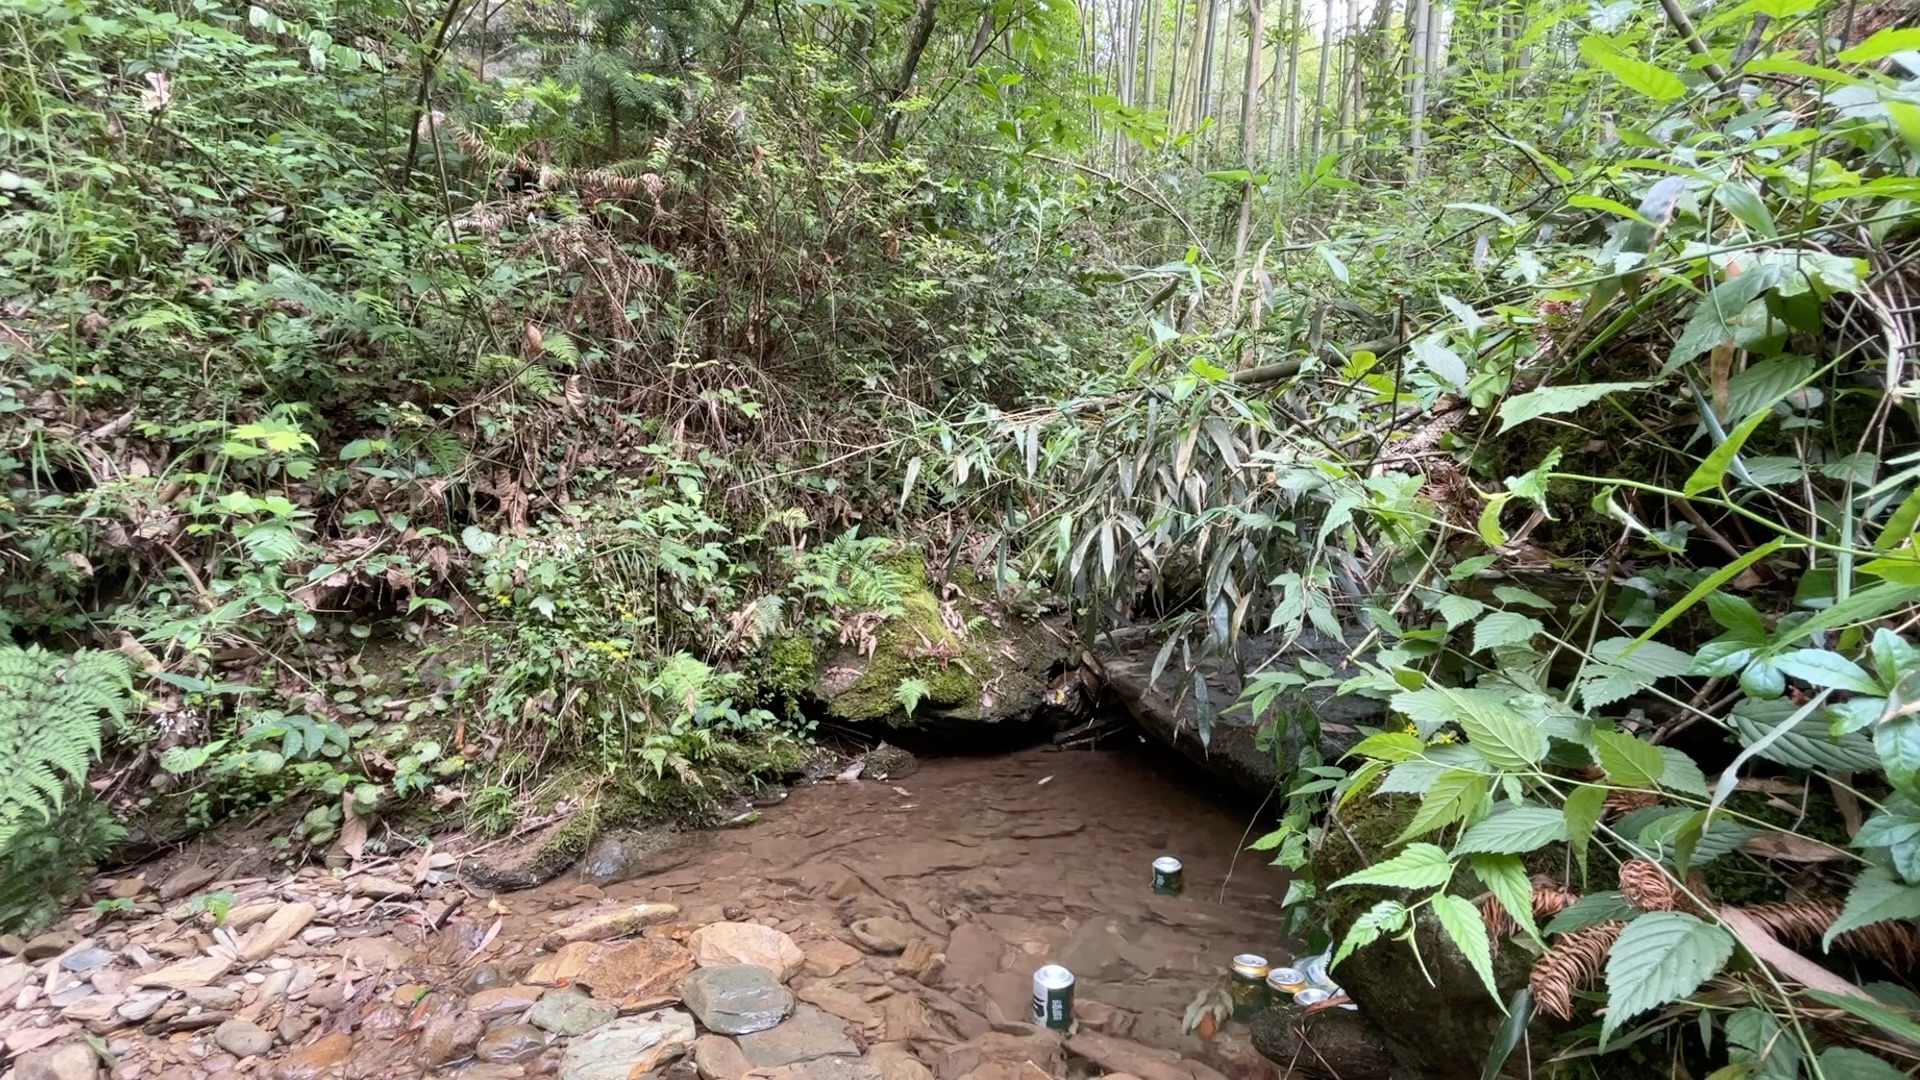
{"type": "Point", "coordinates": [1053, 997]}
{"type": "Point", "coordinates": [1167, 876]}
{"type": "Point", "coordinates": [1248, 986]}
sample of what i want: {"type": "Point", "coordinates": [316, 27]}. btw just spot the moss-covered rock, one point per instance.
{"type": "Point", "coordinates": [956, 658]}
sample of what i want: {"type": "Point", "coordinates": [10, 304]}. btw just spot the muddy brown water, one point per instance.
{"type": "Point", "coordinates": [1000, 863]}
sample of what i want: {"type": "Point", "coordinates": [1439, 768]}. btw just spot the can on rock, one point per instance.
{"type": "Point", "coordinates": [1286, 981]}
{"type": "Point", "coordinates": [1248, 988]}
{"type": "Point", "coordinates": [1167, 876]}
{"type": "Point", "coordinates": [1053, 997]}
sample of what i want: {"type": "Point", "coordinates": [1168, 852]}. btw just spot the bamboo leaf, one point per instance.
{"type": "Point", "coordinates": [1634, 74]}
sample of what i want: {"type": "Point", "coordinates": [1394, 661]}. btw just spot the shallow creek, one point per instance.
{"type": "Point", "coordinates": [983, 868]}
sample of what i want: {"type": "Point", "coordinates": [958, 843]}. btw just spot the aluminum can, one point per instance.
{"type": "Point", "coordinates": [1287, 981]}
{"type": "Point", "coordinates": [1312, 995]}
{"type": "Point", "coordinates": [1053, 997]}
{"type": "Point", "coordinates": [1248, 988]}
{"type": "Point", "coordinates": [1167, 880]}
{"type": "Point", "coordinates": [1315, 969]}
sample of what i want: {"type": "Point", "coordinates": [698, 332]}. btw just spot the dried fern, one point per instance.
{"type": "Point", "coordinates": [1548, 900]}
{"type": "Point", "coordinates": [50, 712]}
{"type": "Point", "coordinates": [1574, 962]}
{"type": "Point", "coordinates": [1802, 923]}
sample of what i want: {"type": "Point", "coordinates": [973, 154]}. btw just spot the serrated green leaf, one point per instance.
{"type": "Point", "coordinates": [1875, 898]}
{"type": "Point", "coordinates": [1898, 741]}
{"type": "Point", "coordinates": [1505, 738]}
{"type": "Point", "coordinates": [1582, 812]}
{"type": "Point", "coordinates": [1649, 658]}
{"type": "Point", "coordinates": [1420, 866]}
{"type": "Point", "coordinates": [1883, 44]}
{"type": "Point", "coordinates": [1385, 917]}
{"type": "Point", "coordinates": [1660, 957]}
{"type": "Point", "coordinates": [1553, 400]}
{"type": "Point", "coordinates": [1628, 761]}
{"type": "Point", "coordinates": [1515, 831]}
{"type": "Point", "coordinates": [1468, 931]}
{"type": "Point", "coordinates": [1846, 1063]}
{"type": "Point", "coordinates": [1457, 609]}
{"type": "Point", "coordinates": [1504, 629]}
{"type": "Point", "coordinates": [1454, 796]}
{"type": "Point", "coordinates": [1681, 772]}
{"type": "Point", "coordinates": [1592, 910]}
{"type": "Point", "coordinates": [1822, 667]}
{"type": "Point", "coordinates": [1505, 876]}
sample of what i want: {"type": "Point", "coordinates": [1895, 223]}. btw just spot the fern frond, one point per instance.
{"type": "Point", "coordinates": [51, 708]}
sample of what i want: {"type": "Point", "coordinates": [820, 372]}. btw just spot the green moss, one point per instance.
{"type": "Point", "coordinates": [790, 665]}
{"type": "Point", "coordinates": [915, 644]}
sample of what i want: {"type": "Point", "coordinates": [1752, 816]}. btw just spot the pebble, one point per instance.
{"type": "Point", "coordinates": [138, 1007]}
{"type": "Point", "coordinates": [379, 888]}
{"type": "Point", "coordinates": [86, 959]}
{"type": "Point", "coordinates": [213, 997]}
{"type": "Point", "coordinates": [185, 974]}
{"type": "Point", "coordinates": [747, 943]}
{"type": "Point", "coordinates": [447, 1036]}
{"type": "Point", "coordinates": [316, 1059]}
{"type": "Point", "coordinates": [318, 935]}
{"type": "Point", "coordinates": [504, 1001]}
{"type": "Point", "coordinates": [242, 1038]}
{"type": "Point", "coordinates": [882, 934]}
{"type": "Point", "coordinates": [185, 880]}
{"type": "Point", "coordinates": [47, 946]}
{"type": "Point", "coordinates": [281, 927]}
{"type": "Point", "coordinates": [719, 1058]}
{"type": "Point", "coordinates": [483, 977]}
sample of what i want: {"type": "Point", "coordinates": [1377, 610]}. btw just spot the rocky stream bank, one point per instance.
{"type": "Point", "coordinates": [868, 930]}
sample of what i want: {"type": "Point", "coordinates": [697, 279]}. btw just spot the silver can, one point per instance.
{"type": "Point", "coordinates": [1312, 995]}
{"type": "Point", "coordinates": [1053, 997]}
{"type": "Point", "coordinates": [1167, 876]}
{"type": "Point", "coordinates": [1315, 969]}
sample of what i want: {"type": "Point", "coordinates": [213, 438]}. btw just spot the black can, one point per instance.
{"type": "Point", "coordinates": [1167, 876]}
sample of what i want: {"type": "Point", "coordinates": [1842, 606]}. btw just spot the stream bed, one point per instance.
{"type": "Point", "coordinates": [917, 910]}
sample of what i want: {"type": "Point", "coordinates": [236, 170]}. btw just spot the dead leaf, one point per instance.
{"type": "Point", "coordinates": [1762, 944]}
{"type": "Point", "coordinates": [353, 830]}
{"type": "Point", "coordinates": [492, 932]}
{"type": "Point", "coordinates": [1786, 847]}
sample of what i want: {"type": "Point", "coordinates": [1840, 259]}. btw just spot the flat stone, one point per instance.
{"type": "Point", "coordinates": [847, 1006]}
{"type": "Point", "coordinates": [810, 1034]}
{"type": "Point", "coordinates": [736, 999]}
{"type": "Point", "coordinates": [245, 916]}
{"type": "Point", "coordinates": [47, 945]}
{"type": "Point", "coordinates": [92, 1010]}
{"type": "Point", "coordinates": [826, 1068]}
{"type": "Point", "coordinates": [315, 1059]}
{"type": "Point", "coordinates": [379, 888]}
{"type": "Point", "coordinates": [187, 973]}
{"type": "Point", "coordinates": [68, 1061]}
{"type": "Point", "coordinates": [637, 974]}
{"type": "Point", "coordinates": [1121, 1056]}
{"type": "Point", "coordinates": [570, 1012]}
{"type": "Point", "coordinates": [627, 1046]}
{"type": "Point", "coordinates": [716, 1057]}
{"type": "Point", "coordinates": [281, 927]}
{"type": "Point", "coordinates": [213, 997]}
{"type": "Point", "coordinates": [504, 1001]}
{"type": "Point", "coordinates": [883, 934]}
{"type": "Point", "coordinates": [186, 880]}
{"type": "Point", "coordinates": [139, 1006]}
{"type": "Point", "coordinates": [747, 943]}
{"type": "Point", "coordinates": [510, 1042]}
{"type": "Point", "coordinates": [829, 957]}
{"type": "Point", "coordinates": [86, 959]}
{"type": "Point", "coordinates": [243, 1038]}
{"type": "Point", "coordinates": [895, 1061]}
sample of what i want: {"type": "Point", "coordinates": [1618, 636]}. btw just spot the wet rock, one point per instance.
{"type": "Point", "coordinates": [736, 999]}
{"type": "Point", "coordinates": [483, 977]}
{"type": "Point", "coordinates": [68, 1061]}
{"type": "Point", "coordinates": [504, 1001]}
{"type": "Point", "coordinates": [510, 1042]}
{"type": "Point", "coordinates": [606, 862]}
{"type": "Point", "coordinates": [570, 1012]}
{"type": "Point", "coordinates": [449, 1036]}
{"type": "Point", "coordinates": [618, 1050]}
{"type": "Point", "coordinates": [242, 1038]}
{"type": "Point", "coordinates": [838, 1002]}
{"type": "Point", "coordinates": [808, 1035]}
{"type": "Point", "coordinates": [1231, 753]}
{"type": "Point", "coordinates": [829, 957]}
{"type": "Point", "coordinates": [718, 1058]}
{"type": "Point", "coordinates": [885, 762]}
{"type": "Point", "coordinates": [633, 973]}
{"type": "Point", "coordinates": [281, 927]}
{"type": "Point", "coordinates": [895, 1061]}
{"type": "Point", "coordinates": [186, 880]}
{"type": "Point", "coordinates": [882, 934]}
{"type": "Point", "coordinates": [747, 943]}
{"type": "Point", "coordinates": [185, 974]}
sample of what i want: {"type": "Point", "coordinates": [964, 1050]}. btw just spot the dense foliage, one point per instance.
{"type": "Point", "coordinates": [447, 408]}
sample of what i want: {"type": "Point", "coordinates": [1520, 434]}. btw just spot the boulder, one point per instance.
{"type": "Point", "coordinates": [976, 662]}
{"type": "Point", "coordinates": [1167, 709]}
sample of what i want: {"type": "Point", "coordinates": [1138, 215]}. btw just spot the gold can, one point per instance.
{"type": "Point", "coordinates": [1248, 986]}
{"type": "Point", "coordinates": [1286, 981]}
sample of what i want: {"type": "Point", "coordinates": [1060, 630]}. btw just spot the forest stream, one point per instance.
{"type": "Point", "coordinates": [906, 917]}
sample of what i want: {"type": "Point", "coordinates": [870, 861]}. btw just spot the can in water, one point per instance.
{"type": "Point", "coordinates": [1053, 997]}
{"type": "Point", "coordinates": [1248, 990]}
{"type": "Point", "coordinates": [1167, 876]}
{"type": "Point", "coordinates": [1287, 981]}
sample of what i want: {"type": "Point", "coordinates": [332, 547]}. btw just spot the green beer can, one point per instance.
{"type": "Point", "coordinates": [1248, 986]}
{"type": "Point", "coordinates": [1167, 876]}
{"type": "Point", "coordinates": [1053, 997]}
